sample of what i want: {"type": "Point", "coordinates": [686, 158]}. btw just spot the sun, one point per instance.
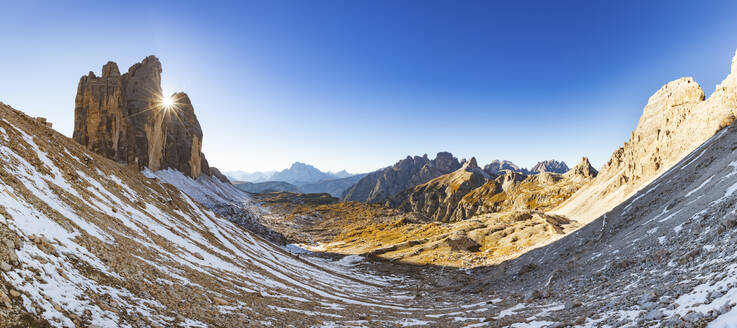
{"type": "Point", "coordinates": [167, 102]}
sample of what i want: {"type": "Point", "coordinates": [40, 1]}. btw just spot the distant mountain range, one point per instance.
{"type": "Point", "coordinates": [383, 184]}
{"type": "Point", "coordinates": [300, 177]}
{"type": "Point", "coordinates": [334, 187]}
{"type": "Point", "coordinates": [298, 174]}
{"type": "Point", "coordinates": [249, 176]}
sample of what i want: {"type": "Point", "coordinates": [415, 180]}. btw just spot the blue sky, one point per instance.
{"type": "Point", "coordinates": [358, 85]}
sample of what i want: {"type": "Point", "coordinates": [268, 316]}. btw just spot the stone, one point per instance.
{"type": "Point", "coordinates": [438, 198]}
{"type": "Point", "coordinates": [219, 301]}
{"type": "Point", "coordinates": [5, 266]}
{"type": "Point", "coordinates": [378, 186]}
{"type": "Point", "coordinates": [124, 118]}
{"type": "Point", "coordinates": [217, 174]}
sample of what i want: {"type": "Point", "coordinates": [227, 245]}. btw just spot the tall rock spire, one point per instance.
{"type": "Point", "coordinates": [123, 118]}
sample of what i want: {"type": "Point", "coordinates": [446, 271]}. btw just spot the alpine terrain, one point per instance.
{"type": "Point", "coordinates": [126, 224]}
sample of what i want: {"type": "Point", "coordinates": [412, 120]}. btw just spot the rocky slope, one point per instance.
{"type": "Point", "coordinates": [479, 219]}
{"type": "Point", "coordinates": [124, 118]}
{"type": "Point", "coordinates": [552, 166]}
{"type": "Point", "coordinates": [378, 186]}
{"type": "Point", "coordinates": [87, 241]}
{"type": "Point", "coordinates": [676, 120]}
{"type": "Point", "coordinates": [437, 199]}
{"type": "Point", "coordinates": [665, 257]}
{"type": "Point", "coordinates": [540, 192]}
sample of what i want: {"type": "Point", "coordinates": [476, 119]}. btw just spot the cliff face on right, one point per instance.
{"type": "Point", "coordinates": [676, 120]}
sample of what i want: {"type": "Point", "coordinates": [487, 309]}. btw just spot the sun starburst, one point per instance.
{"type": "Point", "coordinates": [168, 103]}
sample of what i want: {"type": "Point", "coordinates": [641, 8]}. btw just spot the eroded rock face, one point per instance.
{"type": "Point", "coordinates": [379, 185]}
{"type": "Point", "coordinates": [675, 121]}
{"type": "Point", "coordinates": [123, 118]}
{"type": "Point", "coordinates": [437, 199]}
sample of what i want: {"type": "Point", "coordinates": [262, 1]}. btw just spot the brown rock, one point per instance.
{"type": "Point", "coordinates": [219, 301]}
{"type": "Point", "coordinates": [123, 117]}
{"type": "Point", "coordinates": [378, 186]}
{"type": "Point", "coordinates": [216, 173]}
{"type": "Point", "coordinates": [438, 198]}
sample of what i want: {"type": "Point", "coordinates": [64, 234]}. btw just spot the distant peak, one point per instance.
{"type": "Point", "coordinates": [444, 155]}
{"type": "Point", "coordinates": [584, 161]}
{"type": "Point", "coordinates": [550, 166]}
{"type": "Point", "coordinates": [471, 163]}
{"type": "Point", "coordinates": [299, 165]}
{"type": "Point", "coordinates": [583, 169]}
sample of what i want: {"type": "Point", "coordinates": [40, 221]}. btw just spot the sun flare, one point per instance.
{"type": "Point", "coordinates": [167, 102]}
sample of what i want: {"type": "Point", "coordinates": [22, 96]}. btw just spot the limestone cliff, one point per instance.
{"type": "Point", "coordinates": [123, 117]}
{"type": "Point", "coordinates": [675, 121]}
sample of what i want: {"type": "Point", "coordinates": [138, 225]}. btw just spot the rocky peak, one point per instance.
{"type": "Point", "coordinates": [550, 166]}
{"type": "Point", "coordinates": [444, 161]}
{"type": "Point", "coordinates": [583, 169]}
{"type": "Point", "coordinates": [122, 117]}
{"type": "Point", "coordinates": [509, 179]}
{"type": "Point", "coordinates": [471, 163]}
{"type": "Point", "coordinates": [379, 185]}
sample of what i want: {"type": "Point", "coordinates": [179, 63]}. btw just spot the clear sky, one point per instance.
{"type": "Point", "coordinates": [358, 85]}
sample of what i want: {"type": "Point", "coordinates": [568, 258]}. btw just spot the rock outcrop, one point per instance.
{"type": "Point", "coordinates": [676, 120]}
{"type": "Point", "coordinates": [550, 166]}
{"type": "Point", "coordinates": [217, 174]}
{"type": "Point", "coordinates": [436, 199]}
{"type": "Point", "coordinates": [123, 117]}
{"type": "Point", "coordinates": [582, 171]}
{"type": "Point", "coordinates": [378, 186]}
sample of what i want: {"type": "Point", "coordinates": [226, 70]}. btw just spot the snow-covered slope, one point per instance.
{"type": "Point", "coordinates": [86, 241]}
